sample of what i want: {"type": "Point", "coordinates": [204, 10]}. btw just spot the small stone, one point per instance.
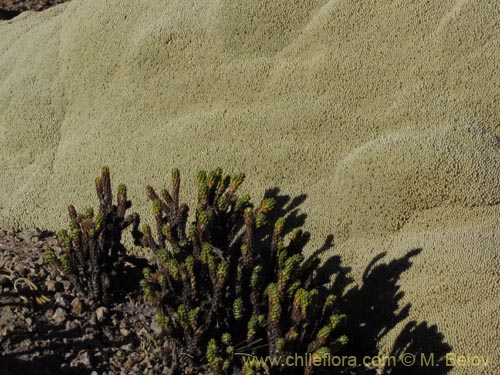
{"type": "Point", "coordinates": [50, 285]}
{"type": "Point", "coordinates": [156, 328]}
{"type": "Point", "coordinates": [59, 316]}
{"type": "Point", "coordinates": [53, 286]}
{"type": "Point", "coordinates": [93, 319]}
{"type": "Point", "coordinates": [83, 359]}
{"type": "Point", "coordinates": [6, 329]}
{"type": "Point", "coordinates": [77, 305]}
{"type": "Point", "coordinates": [101, 313]}
{"type": "Point", "coordinates": [90, 336]}
{"type": "Point", "coordinates": [60, 300]}
{"type": "Point", "coordinates": [128, 347]}
{"type": "Point", "coordinates": [66, 285]}
{"type": "Point", "coordinates": [21, 269]}
{"type": "Point", "coordinates": [28, 233]}
{"type": "Point", "coordinates": [71, 325]}
{"type": "Point", "coordinates": [124, 332]}
{"type": "Point", "coordinates": [28, 321]}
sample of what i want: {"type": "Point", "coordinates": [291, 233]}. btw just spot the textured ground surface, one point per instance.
{"type": "Point", "coordinates": [61, 334]}
{"type": "Point", "coordinates": [47, 328]}
{"type": "Point", "coordinates": [385, 113]}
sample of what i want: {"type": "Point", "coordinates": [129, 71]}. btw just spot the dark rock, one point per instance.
{"type": "Point", "coordinates": [83, 359]}
{"type": "Point", "coordinates": [4, 280]}
{"type": "Point", "coordinates": [42, 273]}
{"type": "Point", "coordinates": [71, 325]}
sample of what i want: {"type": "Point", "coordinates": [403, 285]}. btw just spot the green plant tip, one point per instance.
{"type": "Point", "coordinates": [122, 189]}
{"type": "Point", "coordinates": [242, 202]}
{"type": "Point", "coordinates": [166, 230]}
{"type": "Point", "coordinates": [335, 320]}
{"type": "Point", "coordinates": [226, 338]}
{"type": "Point", "coordinates": [193, 316]}
{"type": "Point", "coordinates": [256, 276]}
{"type": "Point", "coordinates": [89, 213]}
{"type": "Point", "coordinates": [267, 205]}
{"type": "Point", "coordinates": [222, 270]}
{"type": "Point", "coordinates": [236, 181]}
{"type": "Point", "coordinates": [238, 308]}
{"type": "Point", "coordinates": [156, 207]}
{"type": "Point", "coordinates": [260, 220]}
{"type": "Point", "coordinates": [201, 176]}
{"type": "Point", "coordinates": [280, 343]}
{"type": "Point", "coordinates": [98, 221]}
{"type": "Point", "coordinates": [324, 332]}
{"type": "Point", "coordinates": [176, 174]}
{"type": "Point", "coordinates": [280, 223]}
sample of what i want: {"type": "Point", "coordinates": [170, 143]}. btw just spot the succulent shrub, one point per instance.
{"type": "Point", "coordinates": [92, 246]}
{"type": "Point", "coordinates": [226, 287]}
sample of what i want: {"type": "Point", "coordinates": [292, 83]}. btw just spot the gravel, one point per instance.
{"type": "Point", "coordinates": [63, 334]}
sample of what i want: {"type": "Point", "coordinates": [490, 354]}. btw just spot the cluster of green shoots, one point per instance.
{"type": "Point", "coordinates": [92, 246]}
{"type": "Point", "coordinates": [227, 284]}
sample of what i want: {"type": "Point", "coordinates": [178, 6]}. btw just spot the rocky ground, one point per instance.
{"type": "Point", "coordinates": [11, 8]}
{"type": "Point", "coordinates": [46, 329]}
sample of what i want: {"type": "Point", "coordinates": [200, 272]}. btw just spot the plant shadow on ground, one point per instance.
{"type": "Point", "coordinates": [373, 308]}
{"type": "Point", "coordinates": [46, 360]}
{"type": "Point", "coordinates": [48, 348]}
{"type": "Point", "coordinates": [54, 346]}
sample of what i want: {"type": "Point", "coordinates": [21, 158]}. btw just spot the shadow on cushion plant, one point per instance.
{"type": "Point", "coordinates": [93, 252]}
{"type": "Point", "coordinates": [230, 286]}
